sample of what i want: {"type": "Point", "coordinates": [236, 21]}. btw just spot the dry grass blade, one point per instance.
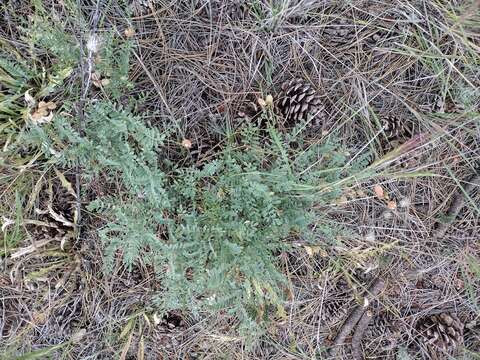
{"type": "Point", "coordinates": [29, 249]}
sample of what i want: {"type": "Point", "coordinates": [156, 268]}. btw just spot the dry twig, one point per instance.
{"type": "Point", "coordinates": [355, 316]}
{"type": "Point", "coordinates": [358, 335]}
{"type": "Point", "coordinates": [457, 205]}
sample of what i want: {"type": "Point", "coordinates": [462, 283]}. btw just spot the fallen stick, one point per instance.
{"type": "Point", "coordinates": [355, 316]}
{"type": "Point", "coordinates": [457, 205]}
{"type": "Point", "coordinates": [358, 335]}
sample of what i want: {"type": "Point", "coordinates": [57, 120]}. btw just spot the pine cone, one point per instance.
{"type": "Point", "coordinates": [385, 35]}
{"type": "Point", "coordinates": [333, 311]}
{"type": "Point", "coordinates": [299, 101]}
{"type": "Point", "coordinates": [384, 326]}
{"type": "Point", "coordinates": [64, 203]}
{"type": "Point", "coordinates": [441, 332]}
{"type": "Point", "coordinates": [341, 32]}
{"type": "Point", "coordinates": [249, 111]}
{"type": "Point", "coordinates": [337, 306]}
{"type": "Point", "coordinates": [173, 320]}
{"type": "Point", "coordinates": [140, 7]}
{"type": "Point", "coordinates": [395, 128]}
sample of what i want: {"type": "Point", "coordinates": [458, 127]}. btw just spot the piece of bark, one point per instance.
{"type": "Point", "coordinates": [355, 316]}
{"type": "Point", "coordinates": [456, 206]}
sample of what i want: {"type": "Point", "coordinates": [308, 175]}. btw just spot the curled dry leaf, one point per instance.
{"type": "Point", "coordinates": [39, 118]}
{"type": "Point", "coordinates": [378, 190]}
{"type": "Point", "coordinates": [59, 217]}
{"type": "Point", "coordinates": [186, 143]}
{"type": "Point", "coordinates": [6, 223]}
{"type": "Point", "coordinates": [78, 336]}
{"type": "Point", "coordinates": [262, 103]}
{"type": "Point", "coordinates": [46, 105]}
{"type": "Point", "coordinates": [98, 81]}
{"type": "Point", "coordinates": [29, 99]}
{"type": "Point", "coordinates": [311, 250]}
{"type": "Point", "coordinates": [392, 205]}
{"type": "Point", "coordinates": [156, 319]}
{"type": "Point", "coordinates": [70, 235]}
{"type": "Point", "coordinates": [129, 32]}
{"type": "Point", "coordinates": [269, 100]}
{"type": "Point", "coordinates": [44, 113]}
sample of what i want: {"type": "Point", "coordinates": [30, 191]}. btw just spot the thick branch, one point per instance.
{"type": "Point", "coordinates": [355, 316]}
{"type": "Point", "coordinates": [358, 335]}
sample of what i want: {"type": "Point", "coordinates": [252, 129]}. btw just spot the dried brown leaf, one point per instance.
{"type": "Point", "coordinates": [186, 143]}
{"type": "Point", "coordinates": [129, 32]}
{"type": "Point", "coordinates": [269, 100]}
{"type": "Point", "coordinates": [378, 190]}
{"type": "Point", "coordinates": [312, 250]}
{"type": "Point", "coordinates": [392, 205]}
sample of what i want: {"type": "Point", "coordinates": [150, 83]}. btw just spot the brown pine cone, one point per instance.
{"type": "Point", "coordinates": [333, 311]}
{"type": "Point", "coordinates": [299, 101]}
{"type": "Point", "coordinates": [341, 32]}
{"type": "Point", "coordinates": [249, 111]}
{"type": "Point", "coordinates": [64, 203]}
{"type": "Point", "coordinates": [441, 332]}
{"type": "Point", "coordinates": [395, 128]}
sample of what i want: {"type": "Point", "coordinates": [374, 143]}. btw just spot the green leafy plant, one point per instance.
{"type": "Point", "coordinates": [213, 233]}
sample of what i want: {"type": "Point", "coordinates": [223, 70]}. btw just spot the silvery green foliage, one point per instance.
{"type": "Point", "coordinates": [214, 233]}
